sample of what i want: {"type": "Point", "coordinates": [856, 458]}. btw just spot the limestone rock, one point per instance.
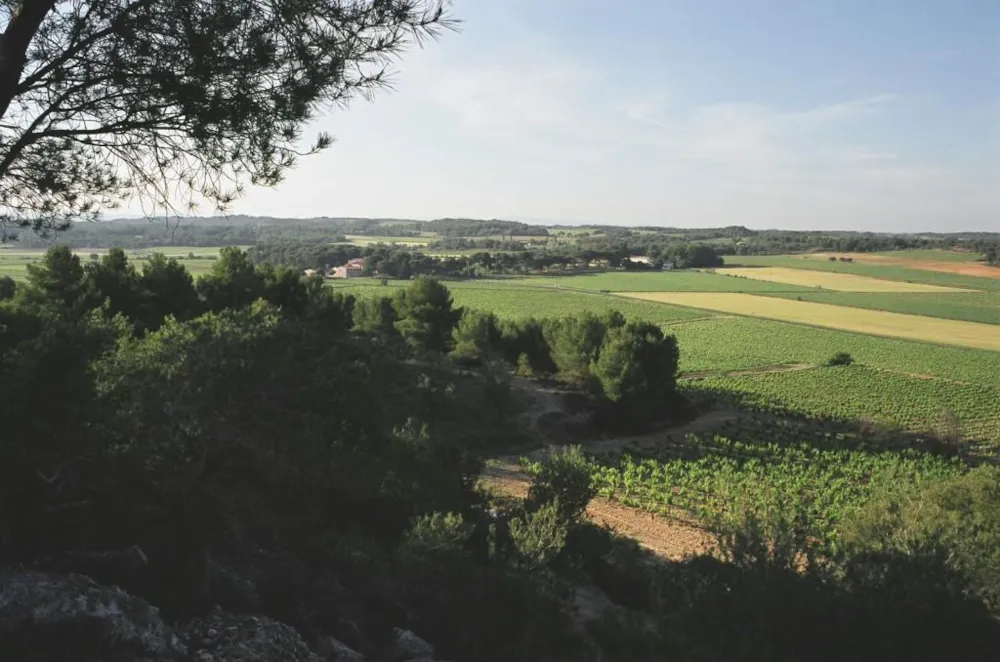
{"type": "Point", "coordinates": [98, 616]}
{"type": "Point", "coordinates": [224, 637]}
{"type": "Point", "coordinates": [335, 651]}
{"type": "Point", "coordinates": [407, 646]}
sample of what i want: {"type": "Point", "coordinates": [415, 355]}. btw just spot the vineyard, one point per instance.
{"type": "Point", "coordinates": [702, 478]}
{"type": "Point", "coordinates": [739, 343]}
{"type": "Point", "coordinates": [859, 392]}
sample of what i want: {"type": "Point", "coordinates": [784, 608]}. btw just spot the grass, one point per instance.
{"type": "Point", "coordinates": [857, 320]}
{"type": "Point", "coordinates": [659, 281]}
{"type": "Point", "coordinates": [983, 307]}
{"type": "Point", "coordinates": [743, 343]}
{"type": "Point", "coordinates": [509, 301]}
{"type": "Point", "coordinates": [840, 282]}
{"type": "Point", "coordinates": [14, 262]}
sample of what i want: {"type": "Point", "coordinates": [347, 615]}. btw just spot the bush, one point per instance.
{"type": "Point", "coordinates": [563, 476]}
{"type": "Point", "coordinates": [840, 358]}
{"type": "Point", "coordinates": [539, 536]}
{"type": "Point", "coordinates": [958, 518]}
{"type": "Point", "coordinates": [437, 534]}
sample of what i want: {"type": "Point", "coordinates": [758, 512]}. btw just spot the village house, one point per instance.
{"type": "Point", "coordinates": [353, 269]}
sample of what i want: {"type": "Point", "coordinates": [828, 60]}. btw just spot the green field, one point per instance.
{"type": "Point", "coordinates": [661, 281]}
{"type": "Point", "coordinates": [197, 259]}
{"type": "Point", "coordinates": [510, 301]}
{"type": "Point", "coordinates": [742, 343]}
{"type": "Point", "coordinates": [857, 391]}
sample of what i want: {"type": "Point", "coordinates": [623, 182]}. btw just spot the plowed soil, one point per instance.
{"type": "Point", "coordinates": [978, 269]}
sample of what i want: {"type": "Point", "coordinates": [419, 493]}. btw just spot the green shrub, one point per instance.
{"type": "Point", "coordinates": [563, 475]}
{"type": "Point", "coordinates": [539, 536]}
{"type": "Point", "coordinates": [958, 518]}
{"type": "Point", "coordinates": [436, 534]}
{"type": "Point", "coordinates": [840, 358]}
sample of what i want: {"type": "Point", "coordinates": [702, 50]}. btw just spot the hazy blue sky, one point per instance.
{"type": "Point", "coordinates": [854, 114]}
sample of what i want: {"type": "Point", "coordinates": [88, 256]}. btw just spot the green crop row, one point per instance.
{"type": "Point", "coordinates": [860, 392]}
{"type": "Point", "coordinates": [740, 343]}
{"type": "Point", "coordinates": [714, 474]}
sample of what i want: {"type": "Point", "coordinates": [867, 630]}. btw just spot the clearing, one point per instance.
{"type": "Point", "coordinates": [857, 320]}
{"type": "Point", "coordinates": [833, 281]}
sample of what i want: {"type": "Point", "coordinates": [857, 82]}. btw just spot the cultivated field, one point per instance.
{"type": "Point", "coordinates": [981, 307]}
{"type": "Point", "coordinates": [963, 264]}
{"type": "Point", "coordinates": [659, 281]}
{"type": "Point", "coordinates": [510, 301]}
{"type": "Point", "coordinates": [839, 282]}
{"type": "Point", "coordinates": [895, 325]}
{"type": "Point", "coordinates": [197, 259]}
{"type": "Point", "coordinates": [975, 276]}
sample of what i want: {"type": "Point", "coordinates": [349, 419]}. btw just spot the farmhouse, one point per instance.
{"type": "Point", "coordinates": [353, 269]}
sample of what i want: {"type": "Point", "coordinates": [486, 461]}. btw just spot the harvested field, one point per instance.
{"type": "Point", "coordinates": [857, 320]}
{"type": "Point", "coordinates": [961, 268]}
{"type": "Point", "coordinates": [833, 281]}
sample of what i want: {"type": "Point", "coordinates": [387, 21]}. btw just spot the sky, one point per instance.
{"type": "Point", "coordinates": [878, 115]}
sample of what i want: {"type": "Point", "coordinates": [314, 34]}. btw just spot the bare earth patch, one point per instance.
{"type": "Point", "coordinates": [669, 538]}
{"type": "Point", "coordinates": [977, 269]}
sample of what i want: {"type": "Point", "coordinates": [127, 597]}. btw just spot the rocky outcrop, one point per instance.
{"type": "Point", "coordinates": [98, 617]}
{"type": "Point", "coordinates": [63, 617]}
{"type": "Point", "coordinates": [335, 651]}
{"type": "Point", "coordinates": [224, 637]}
{"type": "Point", "coordinates": [408, 647]}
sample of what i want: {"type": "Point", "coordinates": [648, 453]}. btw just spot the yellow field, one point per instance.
{"type": "Point", "coordinates": [858, 320]}
{"type": "Point", "coordinates": [833, 281]}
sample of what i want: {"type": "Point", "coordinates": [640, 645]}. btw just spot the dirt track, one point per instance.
{"type": "Point", "coordinates": [670, 538]}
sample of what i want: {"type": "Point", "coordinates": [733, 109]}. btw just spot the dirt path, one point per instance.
{"type": "Point", "coordinates": [670, 538]}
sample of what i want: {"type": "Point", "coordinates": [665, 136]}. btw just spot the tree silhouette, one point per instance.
{"type": "Point", "coordinates": [169, 100]}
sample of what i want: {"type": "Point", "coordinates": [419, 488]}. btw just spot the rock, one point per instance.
{"type": "Point", "coordinates": [36, 606]}
{"type": "Point", "coordinates": [242, 638]}
{"type": "Point", "coordinates": [335, 651]}
{"type": "Point", "coordinates": [407, 646]}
